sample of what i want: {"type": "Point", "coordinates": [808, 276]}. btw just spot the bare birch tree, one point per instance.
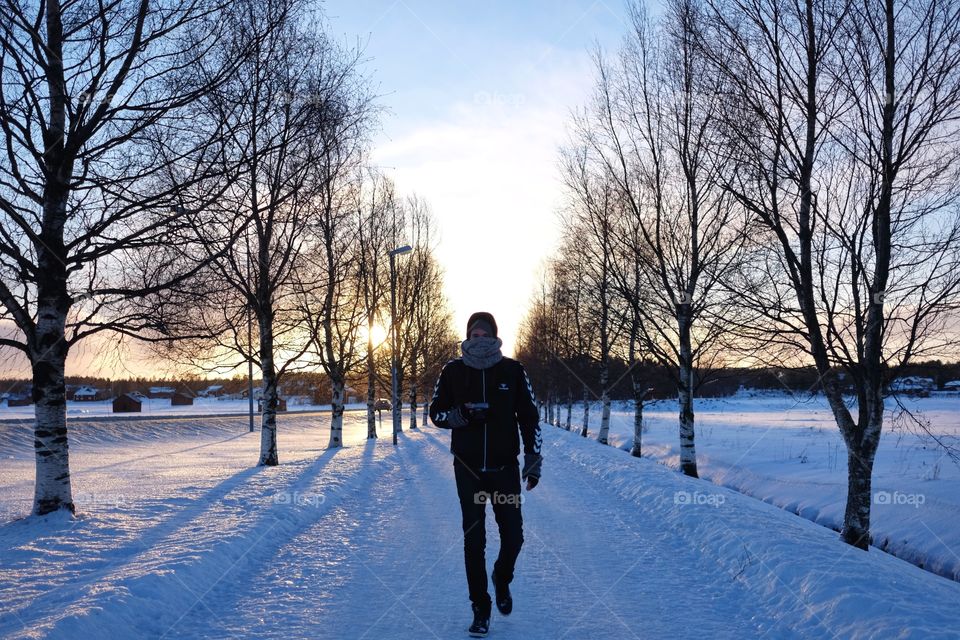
{"type": "Point", "coordinates": [842, 135]}
{"type": "Point", "coordinates": [333, 300]}
{"type": "Point", "coordinates": [423, 318]}
{"type": "Point", "coordinates": [596, 206]}
{"type": "Point", "coordinates": [650, 129]}
{"type": "Point", "coordinates": [297, 103]}
{"type": "Point", "coordinates": [376, 200]}
{"type": "Point", "coordinates": [93, 121]}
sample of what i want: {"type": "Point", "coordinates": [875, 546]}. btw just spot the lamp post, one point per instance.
{"type": "Point", "coordinates": [246, 237]}
{"type": "Point", "coordinates": [395, 395]}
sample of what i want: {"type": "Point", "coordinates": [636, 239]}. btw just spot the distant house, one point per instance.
{"type": "Point", "coordinates": [126, 404]}
{"type": "Point", "coordinates": [953, 385]}
{"type": "Point", "coordinates": [19, 401]}
{"type": "Point", "coordinates": [86, 394]}
{"type": "Point", "coordinates": [212, 391]}
{"type": "Point", "coordinates": [295, 400]}
{"type": "Point", "coordinates": [257, 393]}
{"type": "Point", "coordinates": [161, 392]}
{"type": "Point", "coordinates": [138, 396]}
{"type": "Point", "coordinates": [913, 385]}
{"type": "Point", "coordinates": [181, 399]}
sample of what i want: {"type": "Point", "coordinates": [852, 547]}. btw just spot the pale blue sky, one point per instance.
{"type": "Point", "coordinates": [478, 96]}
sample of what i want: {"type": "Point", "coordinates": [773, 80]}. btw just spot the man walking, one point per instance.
{"type": "Point", "coordinates": [487, 402]}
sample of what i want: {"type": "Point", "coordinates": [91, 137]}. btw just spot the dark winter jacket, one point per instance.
{"type": "Point", "coordinates": [495, 442]}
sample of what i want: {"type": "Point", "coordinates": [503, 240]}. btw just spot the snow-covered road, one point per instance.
{"type": "Point", "coordinates": [387, 563]}
{"type": "Point", "coordinates": [184, 539]}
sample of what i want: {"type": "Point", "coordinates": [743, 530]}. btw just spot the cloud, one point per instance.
{"type": "Point", "coordinates": [489, 170]}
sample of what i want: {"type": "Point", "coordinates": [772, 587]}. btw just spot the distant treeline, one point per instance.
{"type": "Point", "coordinates": [721, 382]}
{"type": "Point", "coordinates": [315, 386]}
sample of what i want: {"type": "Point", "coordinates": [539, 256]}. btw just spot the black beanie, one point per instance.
{"type": "Point", "coordinates": [484, 321]}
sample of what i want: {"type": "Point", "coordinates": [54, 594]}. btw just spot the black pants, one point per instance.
{"type": "Point", "coordinates": [501, 488]}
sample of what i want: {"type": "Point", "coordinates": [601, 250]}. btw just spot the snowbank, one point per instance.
{"type": "Point", "coordinates": [814, 580]}
{"type": "Point", "coordinates": [787, 451]}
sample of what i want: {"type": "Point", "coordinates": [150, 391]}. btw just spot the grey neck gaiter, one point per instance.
{"type": "Point", "coordinates": [481, 352]}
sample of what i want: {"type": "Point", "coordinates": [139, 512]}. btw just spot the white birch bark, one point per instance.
{"type": "Point", "coordinates": [688, 452]}
{"type": "Point", "coordinates": [413, 405]}
{"type": "Point", "coordinates": [52, 490]}
{"type": "Point", "coordinates": [638, 395]}
{"type": "Point", "coordinates": [268, 399]}
{"type": "Point", "coordinates": [604, 434]}
{"type": "Point", "coordinates": [336, 419]}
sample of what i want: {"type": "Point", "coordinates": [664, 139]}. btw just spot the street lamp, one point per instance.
{"type": "Point", "coordinates": [395, 397]}
{"type": "Point", "coordinates": [246, 241]}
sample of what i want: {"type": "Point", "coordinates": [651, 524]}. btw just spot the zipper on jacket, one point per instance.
{"type": "Point", "coordinates": [483, 380]}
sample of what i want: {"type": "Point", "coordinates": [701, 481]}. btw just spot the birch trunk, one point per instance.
{"type": "Point", "coordinates": [604, 434]}
{"type": "Point", "coordinates": [569, 409]}
{"type": "Point", "coordinates": [688, 453]}
{"type": "Point", "coordinates": [268, 399]}
{"type": "Point", "coordinates": [413, 405]}
{"type": "Point", "coordinates": [856, 517]}
{"type": "Point", "coordinates": [861, 452]}
{"type": "Point", "coordinates": [638, 395]}
{"type": "Point", "coordinates": [586, 412]}
{"type": "Point", "coordinates": [336, 418]}
{"type": "Point", "coordinates": [426, 413]}
{"type": "Point", "coordinates": [52, 489]}
{"type": "Point", "coordinates": [397, 413]}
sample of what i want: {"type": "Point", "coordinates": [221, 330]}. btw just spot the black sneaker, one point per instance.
{"type": "Point", "coordinates": [481, 622]}
{"type": "Point", "coordinates": [502, 596]}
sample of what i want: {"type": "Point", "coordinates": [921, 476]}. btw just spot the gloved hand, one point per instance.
{"type": "Point", "coordinates": [532, 463]}
{"type": "Point", "coordinates": [476, 411]}
{"type": "Point", "coordinates": [467, 413]}
{"type": "Point", "coordinates": [456, 418]}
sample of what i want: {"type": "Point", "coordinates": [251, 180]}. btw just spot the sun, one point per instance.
{"type": "Point", "coordinates": [378, 333]}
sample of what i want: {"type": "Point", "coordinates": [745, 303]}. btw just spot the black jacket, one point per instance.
{"type": "Point", "coordinates": [512, 413]}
